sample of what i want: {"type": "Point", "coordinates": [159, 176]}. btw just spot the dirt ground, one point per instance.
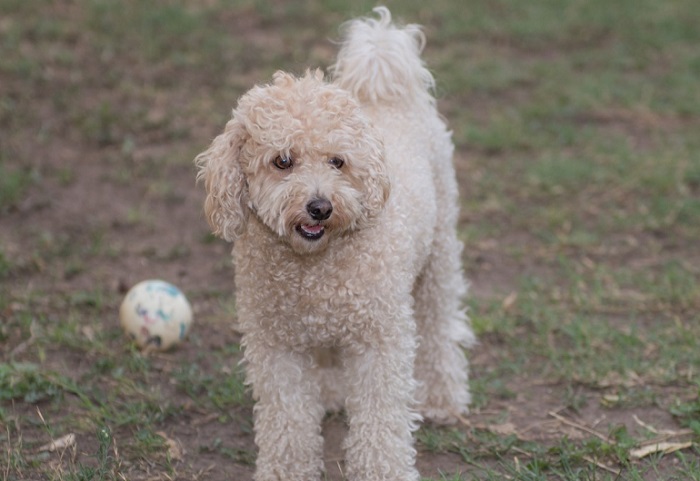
{"type": "Point", "coordinates": [102, 211]}
{"type": "Point", "coordinates": [170, 244]}
{"type": "Point", "coordinates": [109, 204]}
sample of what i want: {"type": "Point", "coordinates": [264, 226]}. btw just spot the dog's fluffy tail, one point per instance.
{"type": "Point", "coordinates": [379, 61]}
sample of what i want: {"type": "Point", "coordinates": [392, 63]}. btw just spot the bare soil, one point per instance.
{"type": "Point", "coordinates": [101, 215]}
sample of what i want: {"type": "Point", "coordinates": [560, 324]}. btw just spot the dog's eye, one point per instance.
{"type": "Point", "coordinates": [283, 162]}
{"type": "Point", "coordinates": [336, 162]}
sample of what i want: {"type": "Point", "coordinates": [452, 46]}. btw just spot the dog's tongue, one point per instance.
{"type": "Point", "coordinates": [312, 229]}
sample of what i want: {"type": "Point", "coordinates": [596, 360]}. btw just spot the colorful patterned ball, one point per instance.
{"type": "Point", "coordinates": [156, 315]}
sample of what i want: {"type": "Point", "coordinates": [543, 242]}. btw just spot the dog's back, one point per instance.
{"type": "Point", "coordinates": [380, 64]}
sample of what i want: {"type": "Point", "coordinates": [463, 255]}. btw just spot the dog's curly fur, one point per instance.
{"type": "Point", "coordinates": [341, 200]}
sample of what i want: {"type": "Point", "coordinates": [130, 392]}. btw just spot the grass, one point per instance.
{"type": "Point", "coordinates": [577, 152]}
{"type": "Point", "coordinates": [13, 185]}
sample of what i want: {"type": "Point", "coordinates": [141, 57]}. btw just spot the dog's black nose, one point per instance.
{"type": "Point", "coordinates": [319, 209]}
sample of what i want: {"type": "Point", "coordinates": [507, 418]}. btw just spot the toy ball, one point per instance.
{"type": "Point", "coordinates": [156, 315]}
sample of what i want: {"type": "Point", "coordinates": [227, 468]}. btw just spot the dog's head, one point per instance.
{"type": "Point", "coordinates": [301, 156]}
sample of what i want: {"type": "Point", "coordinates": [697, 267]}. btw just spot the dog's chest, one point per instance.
{"type": "Point", "coordinates": [309, 303]}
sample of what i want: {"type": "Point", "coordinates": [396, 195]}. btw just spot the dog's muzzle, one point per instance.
{"type": "Point", "coordinates": [319, 210]}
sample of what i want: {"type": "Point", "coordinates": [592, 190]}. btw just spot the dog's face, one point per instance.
{"type": "Point", "coordinates": [300, 155]}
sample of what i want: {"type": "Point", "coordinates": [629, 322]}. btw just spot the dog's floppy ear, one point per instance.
{"type": "Point", "coordinates": [226, 204]}
{"type": "Point", "coordinates": [373, 174]}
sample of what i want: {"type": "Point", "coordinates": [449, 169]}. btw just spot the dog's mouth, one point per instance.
{"type": "Point", "coordinates": [310, 232]}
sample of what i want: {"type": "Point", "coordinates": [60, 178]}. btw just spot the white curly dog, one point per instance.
{"type": "Point", "coordinates": [341, 200]}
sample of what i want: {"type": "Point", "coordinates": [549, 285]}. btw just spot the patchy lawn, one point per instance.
{"type": "Point", "coordinates": [579, 161]}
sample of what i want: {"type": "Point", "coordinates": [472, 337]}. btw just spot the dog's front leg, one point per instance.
{"type": "Point", "coordinates": [379, 445]}
{"type": "Point", "coordinates": [288, 414]}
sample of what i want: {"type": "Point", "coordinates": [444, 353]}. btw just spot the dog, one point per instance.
{"type": "Point", "coordinates": [341, 201]}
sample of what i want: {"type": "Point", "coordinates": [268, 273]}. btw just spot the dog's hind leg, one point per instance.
{"type": "Point", "coordinates": [443, 332]}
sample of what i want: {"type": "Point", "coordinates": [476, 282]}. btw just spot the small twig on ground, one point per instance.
{"type": "Point", "coordinates": [206, 419]}
{"type": "Point", "coordinates": [22, 346]}
{"type": "Point", "coordinates": [202, 473]}
{"type": "Point", "coordinates": [539, 424]}
{"type": "Point", "coordinates": [6, 472]}
{"type": "Point", "coordinates": [340, 469]}
{"type": "Point", "coordinates": [60, 444]}
{"type": "Point", "coordinates": [666, 437]}
{"type": "Point", "coordinates": [664, 434]}
{"type": "Point", "coordinates": [665, 448]}
{"type": "Point", "coordinates": [616, 472]}
{"type": "Point", "coordinates": [463, 420]}
{"type": "Point", "coordinates": [578, 426]}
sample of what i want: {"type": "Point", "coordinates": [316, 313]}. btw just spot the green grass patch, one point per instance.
{"type": "Point", "coordinates": [223, 390]}
{"type": "Point", "coordinates": [31, 384]}
{"type": "Point", "coordinates": [577, 150]}
{"type": "Point", "coordinates": [14, 183]}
